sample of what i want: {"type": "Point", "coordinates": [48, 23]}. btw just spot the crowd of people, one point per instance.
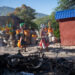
{"type": "Point", "coordinates": [25, 36]}
{"type": "Point", "coordinates": [21, 36]}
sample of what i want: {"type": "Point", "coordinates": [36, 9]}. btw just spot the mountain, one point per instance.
{"type": "Point", "coordinates": [5, 10]}
{"type": "Point", "coordinates": [40, 15]}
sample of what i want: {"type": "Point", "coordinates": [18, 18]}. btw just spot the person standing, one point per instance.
{"type": "Point", "coordinates": [27, 34]}
{"type": "Point", "coordinates": [50, 33]}
{"type": "Point", "coordinates": [34, 36]}
{"type": "Point", "coordinates": [43, 42]}
{"type": "Point", "coordinates": [18, 34]}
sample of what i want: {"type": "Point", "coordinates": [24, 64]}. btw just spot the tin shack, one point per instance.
{"type": "Point", "coordinates": [66, 21]}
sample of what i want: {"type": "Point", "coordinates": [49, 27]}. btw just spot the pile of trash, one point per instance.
{"type": "Point", "coordinates": [34, 64]}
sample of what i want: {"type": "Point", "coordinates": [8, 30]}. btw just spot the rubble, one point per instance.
{"type": "Point", "coordinates": [35, 63]}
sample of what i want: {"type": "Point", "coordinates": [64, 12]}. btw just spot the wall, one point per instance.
{"type": "Point", "coordinates": [67, 32]}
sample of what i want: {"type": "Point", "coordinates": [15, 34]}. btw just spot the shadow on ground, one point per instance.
{"type": "Point", "coordinates": [59, 50]}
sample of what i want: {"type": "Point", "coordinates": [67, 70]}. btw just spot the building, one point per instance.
{"type": "Point", "coordinates": [13, 20]}
{"type": "Point", "coordinates": [66, 21]}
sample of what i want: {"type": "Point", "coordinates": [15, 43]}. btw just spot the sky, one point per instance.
{"type": "Point", "coordinates": [41, 6]}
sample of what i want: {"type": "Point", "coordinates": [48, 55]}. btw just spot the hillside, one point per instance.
{"type": "Point", "coordinates": [43, 20]}
{"type": "Point", "coordinates": [5, 10]}
{"type": "Point", "coordinates": [40, 15]}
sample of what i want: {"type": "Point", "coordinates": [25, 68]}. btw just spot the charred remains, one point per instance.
{"type": "Point", "coordinates": [36, 63]}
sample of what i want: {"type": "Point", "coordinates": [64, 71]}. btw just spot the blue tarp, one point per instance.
{"type": "Point", "coordinates": [65, 14]}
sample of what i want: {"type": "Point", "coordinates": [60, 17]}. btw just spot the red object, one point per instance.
{"type": "Point", "coordinates": [67, 31]}
{"type": "Point", "coordinates": [43, 41]}
{"type": "Point", "coordinates": [40, 43]}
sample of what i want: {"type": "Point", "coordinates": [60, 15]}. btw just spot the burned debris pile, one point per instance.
{"type": "Point", "coordinates": [36, 63]}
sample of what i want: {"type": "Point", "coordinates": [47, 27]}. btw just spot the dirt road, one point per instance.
{"type": "Point", "coordinates": [54, 50]}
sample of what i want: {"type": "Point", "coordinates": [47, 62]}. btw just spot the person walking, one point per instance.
{"type": "Point", "coordinates": [44, 41]}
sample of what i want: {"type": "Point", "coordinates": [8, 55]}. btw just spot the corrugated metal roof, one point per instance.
{"type": "Point", "coordinates": [65, 14]}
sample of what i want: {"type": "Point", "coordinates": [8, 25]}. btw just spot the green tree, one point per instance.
{"type": "Point", "coordinates": [66, 4]}
{"type": "Point", "coordinates": [54, 25]}
{"type": "Point", "coordinates": [25, 13]}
